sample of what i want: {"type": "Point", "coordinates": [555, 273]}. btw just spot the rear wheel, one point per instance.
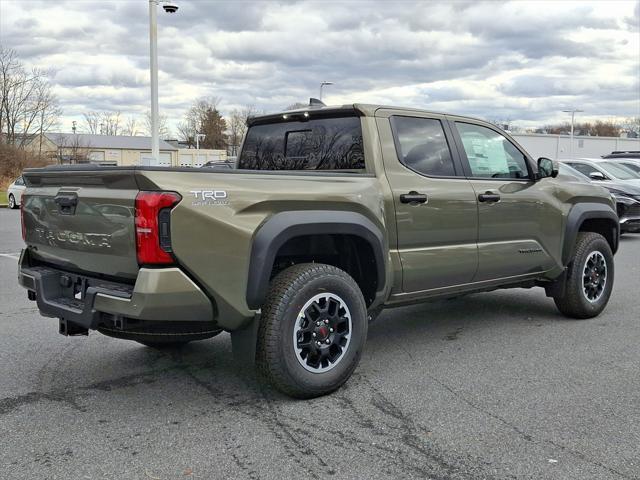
{"type": "Point", "coordinates": [12, 201]}
{"type": "Point", "coordinates": [312, 330]}
{"type": "Point", "coordinates": [589, 278]}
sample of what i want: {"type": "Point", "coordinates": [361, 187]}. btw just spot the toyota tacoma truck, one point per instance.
{"type": "Point", "coordinates": [331, 215]}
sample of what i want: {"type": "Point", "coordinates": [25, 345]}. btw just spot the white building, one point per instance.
{"type": "Point", "coordinates": [559, 146]}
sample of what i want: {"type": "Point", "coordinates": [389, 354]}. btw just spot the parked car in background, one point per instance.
{"type": "Point", "coordinates": [14, 193]}
{"type": "Point", "coordinates": [570, 174]}
{"type": "Point", "coordinates": [624, 154]}
{"type": "Point", "coordinates": [627, 197]}
{"type": "Point", "coordinates": [632, 163]}
{"type": "Point", "coordinates": [220, 165]}
{"type": "Point", "coordinates": [601, 170]}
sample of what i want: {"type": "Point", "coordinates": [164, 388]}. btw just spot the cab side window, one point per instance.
{"type": "Point", "coordinates": [490, 154]}
{"type": "Point", "coordinates": [421, 145]}
{"type": "Point", "coordinates": [19, 181]}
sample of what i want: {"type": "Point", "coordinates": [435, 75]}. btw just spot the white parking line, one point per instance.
{"type": "Point", "coordinates": [15, 256]}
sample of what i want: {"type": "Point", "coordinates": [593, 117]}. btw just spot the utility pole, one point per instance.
{"type": "Point", "coordinates": [573, 112]}
{"type": "Point", "coordinates": [322, 84]}
{"type": "Point", "coordinates": [153, 66]}
{"type": "Point", "coordinates": [153, 70]}
{"type": "Point", "coordinates": [198, 136]}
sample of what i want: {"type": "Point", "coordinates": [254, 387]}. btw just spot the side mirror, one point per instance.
{"type": "Point", "coordinates": [547, 168]}
{"type": "Point", "coordinates": [597, 176]}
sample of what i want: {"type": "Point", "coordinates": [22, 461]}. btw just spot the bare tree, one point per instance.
{"type": "Point", "coordinates": [110, 123]}
{"type": "Point", "coordinates": [72, 149]}
{"type": "Point", "coordinates": [49, 114]}
{"type": "Point", "coordinates": [27, 104]}
{"type": "Point", "coordinates": [131, 128]}
{"type": "Point", "coordinates": [238, 127]}
{"type": "Point", "coordinates": [102, 123]}
{"type": "Point", "coordinates": [598, 128]}
{"type": "Point", "coordinates": [163, 125]}
{"type": "Point", "coordinates": [631, 125]}
{"type": "Point", "coordinates": [91, 122]}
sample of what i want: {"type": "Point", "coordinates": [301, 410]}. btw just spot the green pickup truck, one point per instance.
{"type": "Point", "coordinates": [331, 215]}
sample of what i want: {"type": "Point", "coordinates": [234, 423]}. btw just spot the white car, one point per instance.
{"type": "Point", "coordinates": [604, 169]}
{"type": "Point", "coordinates": [14, 193]}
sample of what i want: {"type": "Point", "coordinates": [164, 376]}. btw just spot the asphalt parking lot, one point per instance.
{"type": "Point", "coordinates": [494, 385]}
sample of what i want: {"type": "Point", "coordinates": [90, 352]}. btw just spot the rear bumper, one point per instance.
{"type": "Point", "coordinates": [164, 294]}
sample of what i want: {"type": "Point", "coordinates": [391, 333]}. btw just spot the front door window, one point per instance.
{"type": "Point", "coordinates": [490, 154]}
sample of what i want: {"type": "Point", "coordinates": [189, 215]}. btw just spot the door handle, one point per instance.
{"type": "Point", "coordinates": [413, 197]}
{"type": "Point", "coordinates": [489, 197]}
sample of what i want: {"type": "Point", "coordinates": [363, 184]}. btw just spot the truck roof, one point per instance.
{"type": "Point", "coordinates": [361, 109]}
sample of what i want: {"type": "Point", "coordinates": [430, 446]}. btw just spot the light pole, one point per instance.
{"type": "Point", "coordinates": [153, 68]}
{"type": "Point", "coordinates": [322, 84]}
{"type": "Point", "coordinates": [573, 112]}
{"type": "Point", "coordinates": [198, 137]}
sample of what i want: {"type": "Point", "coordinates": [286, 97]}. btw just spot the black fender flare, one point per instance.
{"type": "Point", "coordinates": [284, 226]}
{"type": "Point", "coordinates": [587, 211]}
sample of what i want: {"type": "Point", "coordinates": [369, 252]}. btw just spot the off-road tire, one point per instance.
{"type": "Point", "coordinates": [574, 303]}
{"type": "Point", "coordinates": [12, 202]}
{"type": "Point", "coordinates": [276, 359]}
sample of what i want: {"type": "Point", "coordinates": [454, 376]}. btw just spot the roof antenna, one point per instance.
{"type": "Point", "coordinates": [315, 103]}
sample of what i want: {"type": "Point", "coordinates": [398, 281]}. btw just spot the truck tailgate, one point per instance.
{"type": "Point", "coordinates": [82, 220]}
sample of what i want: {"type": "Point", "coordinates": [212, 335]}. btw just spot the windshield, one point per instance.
{"type": "Point", "coordinates": [568, 171]}
{"type": "Point", "coordinates": [618, 171]}
{"type": "Point", "coordinates": [633, 166]}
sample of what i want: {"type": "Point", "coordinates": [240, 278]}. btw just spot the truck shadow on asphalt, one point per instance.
{"type": "Point", "coordinates": [210, 363]}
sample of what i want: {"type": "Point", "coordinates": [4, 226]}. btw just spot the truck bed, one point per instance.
{"type": "Point", "coordinates": [211, 228]}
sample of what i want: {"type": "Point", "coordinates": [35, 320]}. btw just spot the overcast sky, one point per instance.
{"type": "Point", "coordinates": [522, 61]}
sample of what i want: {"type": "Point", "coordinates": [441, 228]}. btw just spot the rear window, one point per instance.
{"type": "Point", "coordinates": [317, 144]}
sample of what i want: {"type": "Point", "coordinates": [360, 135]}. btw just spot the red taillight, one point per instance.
{"type": "Point", "coordinates": [153, 242]}
{"type": "Point", "coordinates": [22, 225]}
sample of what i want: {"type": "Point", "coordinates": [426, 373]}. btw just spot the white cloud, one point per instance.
{"type": "Point", "coordinates": [524, 61]}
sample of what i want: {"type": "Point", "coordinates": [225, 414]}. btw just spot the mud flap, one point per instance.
{"type": "Point", "coordinates": [244, 342]}
{"type": "Point", "coordinates": [557, 287]}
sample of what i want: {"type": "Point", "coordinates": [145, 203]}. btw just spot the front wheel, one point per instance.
{"type": "Point", "coordinates": [12, 202]}
{"type": "Point", "coordinates": [312, 330]}
{"type": "Point", "coordinates": [589, 280]}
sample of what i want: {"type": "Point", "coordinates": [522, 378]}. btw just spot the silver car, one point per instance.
{"type": "Point", "coordinates": [14, 192]}
{"type": "Point", "coordinates": [602, 170]}
{"type": "Point", "coordinates": [632, 163]}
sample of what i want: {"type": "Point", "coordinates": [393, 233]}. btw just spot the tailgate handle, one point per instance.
{"type": "Point", "coordinates": [67, 203]}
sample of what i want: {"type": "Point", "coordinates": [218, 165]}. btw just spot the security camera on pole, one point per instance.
{"type": "Point", "coordinates": [153, 67]}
